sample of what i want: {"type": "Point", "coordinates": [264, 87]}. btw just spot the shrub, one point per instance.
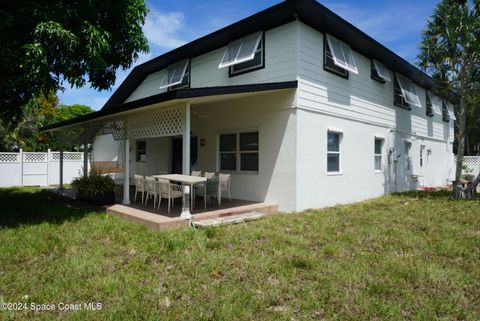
{"type": "Point", "coordinates": [94, 187]}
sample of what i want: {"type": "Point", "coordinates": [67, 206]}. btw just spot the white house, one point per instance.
{"type": "Point", "coordinates": [301, 107]}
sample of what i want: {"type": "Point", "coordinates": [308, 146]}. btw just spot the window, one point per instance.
{"type": "Point", "coordinates": [185, 83]}
{"type": "Point", "coordinates": [342, 54]}
{"type": "Point", "coordinates": [445, 114]}
{"type": "Point", "coordinates": [379, 72]}
{"type": "Point", "coordinates": [175, 74]}
{"type": "Point", "coordinates": [333, 152]}
{"type": "Point", "coordinates": [408, 91]}
{"type": "Point", "coordinates": [408, 147]}
{"type": "Point", "coordinates": [378, 154]}
{"type": "Point", "coordinates": [247, 52]}
{"type": "Point", "coordinates": [398, 98]}
{"type": "Point", "coordinates": [258, 62]}
{"type": "Point", "coordinates": [329, 64]}
{"type": "Point", "coordinates": [451, 111]}
{"type": "Point", "coordinates": [239, 152]}
{"type": "Point", "coordinates": [436, 104]}
{"type": "Point", "coordinates": [429, 108]}
{"type": "Point", "coordinates": [141, 151]}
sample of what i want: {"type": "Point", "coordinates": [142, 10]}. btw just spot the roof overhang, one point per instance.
{"type": "Point", "coordinates": [192, 95]}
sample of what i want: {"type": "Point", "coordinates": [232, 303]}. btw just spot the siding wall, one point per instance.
{"type": "Point", "coordinates": [280, 65]}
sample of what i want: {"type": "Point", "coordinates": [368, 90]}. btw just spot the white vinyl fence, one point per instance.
{"type": "Point", "coordinates": [473, 162]}
{"type": "Point", "coordinates": [38, 169]}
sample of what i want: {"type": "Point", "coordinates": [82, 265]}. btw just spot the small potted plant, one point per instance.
{"type": "Point", "coordinates": [95, 188]}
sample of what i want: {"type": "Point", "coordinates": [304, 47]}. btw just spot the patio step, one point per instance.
{"type": "Point", "coordinates": [233, 219]}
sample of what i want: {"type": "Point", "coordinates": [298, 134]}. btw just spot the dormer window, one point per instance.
{"type": "Point", "coordinates": [404, 93]}
{"type": "Point", "coordinates": [379, 72]}
{"type": "Point", "coordinates": [177, 75]}
{"type": "Point", "coordinates": [338, 57]}
{"type": "Point", "coordinates": [244, 55]}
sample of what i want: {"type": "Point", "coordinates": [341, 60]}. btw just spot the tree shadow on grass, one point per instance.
{"type": "Point", "coordinates": [29, 206]}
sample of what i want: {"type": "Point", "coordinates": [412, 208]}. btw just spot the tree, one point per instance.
{"type": "Point", "coordinates": [47, 43]}
{"type": "Point", "coordinates": [38, 112]}
{"type": "Point", "coordinates": [450, 50]}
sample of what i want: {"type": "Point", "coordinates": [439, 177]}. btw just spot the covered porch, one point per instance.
{"type": "Point", "coordinates": [213, 130]}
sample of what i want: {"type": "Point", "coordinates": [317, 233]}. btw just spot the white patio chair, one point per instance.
{"type": "Point", "coordinates": [151, 190]}
{"type": "Point", "coordinates": [225, 184]}
{"type": "Point", "coordinates": [139, 186]}
{"type": "Point", "coordinates": [197, 173]}
{"type": "Point", "coordinates": [169, 191]}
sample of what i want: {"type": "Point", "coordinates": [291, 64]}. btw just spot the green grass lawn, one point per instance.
{"type": "Point", "coordinates": [402, 257]}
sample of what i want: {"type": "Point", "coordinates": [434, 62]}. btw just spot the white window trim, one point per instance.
{"type": "Point", "coordinates": [237, 151]}
{"type": "Point", "coordinates": [236, 61]}
{"type": "Point", "coordinates": [169, 82]}
{"type": "Point", "coordinates": [382, 71]}
{"type": "Point", "coordinates": [345, 51]}
{"type": "Point", "coordinates": [408, 90]}
{"type": "Point", "coordinates": [339, 153]}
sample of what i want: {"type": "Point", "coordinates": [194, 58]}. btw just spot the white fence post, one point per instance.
{"type": "Point", "coordinates": [21, 166]}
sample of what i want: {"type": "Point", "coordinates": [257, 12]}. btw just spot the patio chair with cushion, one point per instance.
{"type": "Point", "coordinates": [196, 173]}
{"type": "Point", "coordinates": [139, 186]}
{"type": "Point", "coordinates": [151, 190]}
{"type": "Point", "coordinates": [225, 184]}
{"type": "Point", "coordinates": [209, 175]}
{"type": "Point", "coordinates": [169, 191]}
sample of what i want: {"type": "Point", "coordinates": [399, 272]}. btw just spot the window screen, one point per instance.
{"type": "Point", "coordinates": [333, 152]}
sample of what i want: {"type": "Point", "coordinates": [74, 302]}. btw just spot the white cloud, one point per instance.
{"type": "Point", "coordinates": [161, 29]}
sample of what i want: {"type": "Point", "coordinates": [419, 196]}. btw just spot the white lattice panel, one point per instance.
{"type": "Point", "coordinates": [469, 160]}
{"type": "Point", "coordinates": [34, 157]}
{"type": "Point", "coordinates": [67, 156]}
{"type": "Point", "coordinates": [160, 123]}
{"type": "Point", "coordinates": [9, 157]}
{"type": "Point", "coordinates": [116, 128]}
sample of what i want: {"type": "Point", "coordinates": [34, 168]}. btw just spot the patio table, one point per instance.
{"type": "Point", "coordinates": [185, 180]}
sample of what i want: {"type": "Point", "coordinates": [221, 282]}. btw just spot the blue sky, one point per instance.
{"type": "Point", "coordinates": [395, 24]}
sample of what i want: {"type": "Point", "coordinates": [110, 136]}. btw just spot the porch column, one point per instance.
{"type": "Point", "coordinates": [85, 153]}
{"type": "Point", "coordinates": [126, 166]}
{"type": "Point", "coordinates": [61, 159]}
{"type": "Point", "coordinates": [186, 140]}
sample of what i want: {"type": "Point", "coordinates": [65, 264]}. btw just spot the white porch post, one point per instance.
{"type": "Point", "coordinates": [186, 140]}
{"type": "Point", "coordinates": [85, 153]}
{"type": "Point", "coordinates": [126, 161]}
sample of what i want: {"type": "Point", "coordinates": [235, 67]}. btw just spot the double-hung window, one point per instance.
{"type": "Point", "coordinates": [379, 72]}
{"type": "Point", "coordinates": [404, 93]}
{"type": "Point", "coordinates": [239, 151]}
{"type": "Point", "coordinates": [177, 75]}
{"type": "Point", "coordinates": [245, 54]}
{"type": "Point", "coordinates": [378, 153]}
{"type": "Point", "coordinates": [408, 147]}
{"type": "Point", "coordinates": [333, 152]}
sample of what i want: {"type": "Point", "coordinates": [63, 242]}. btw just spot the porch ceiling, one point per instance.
{"type": "Point", "coordinates": [179, 96]}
